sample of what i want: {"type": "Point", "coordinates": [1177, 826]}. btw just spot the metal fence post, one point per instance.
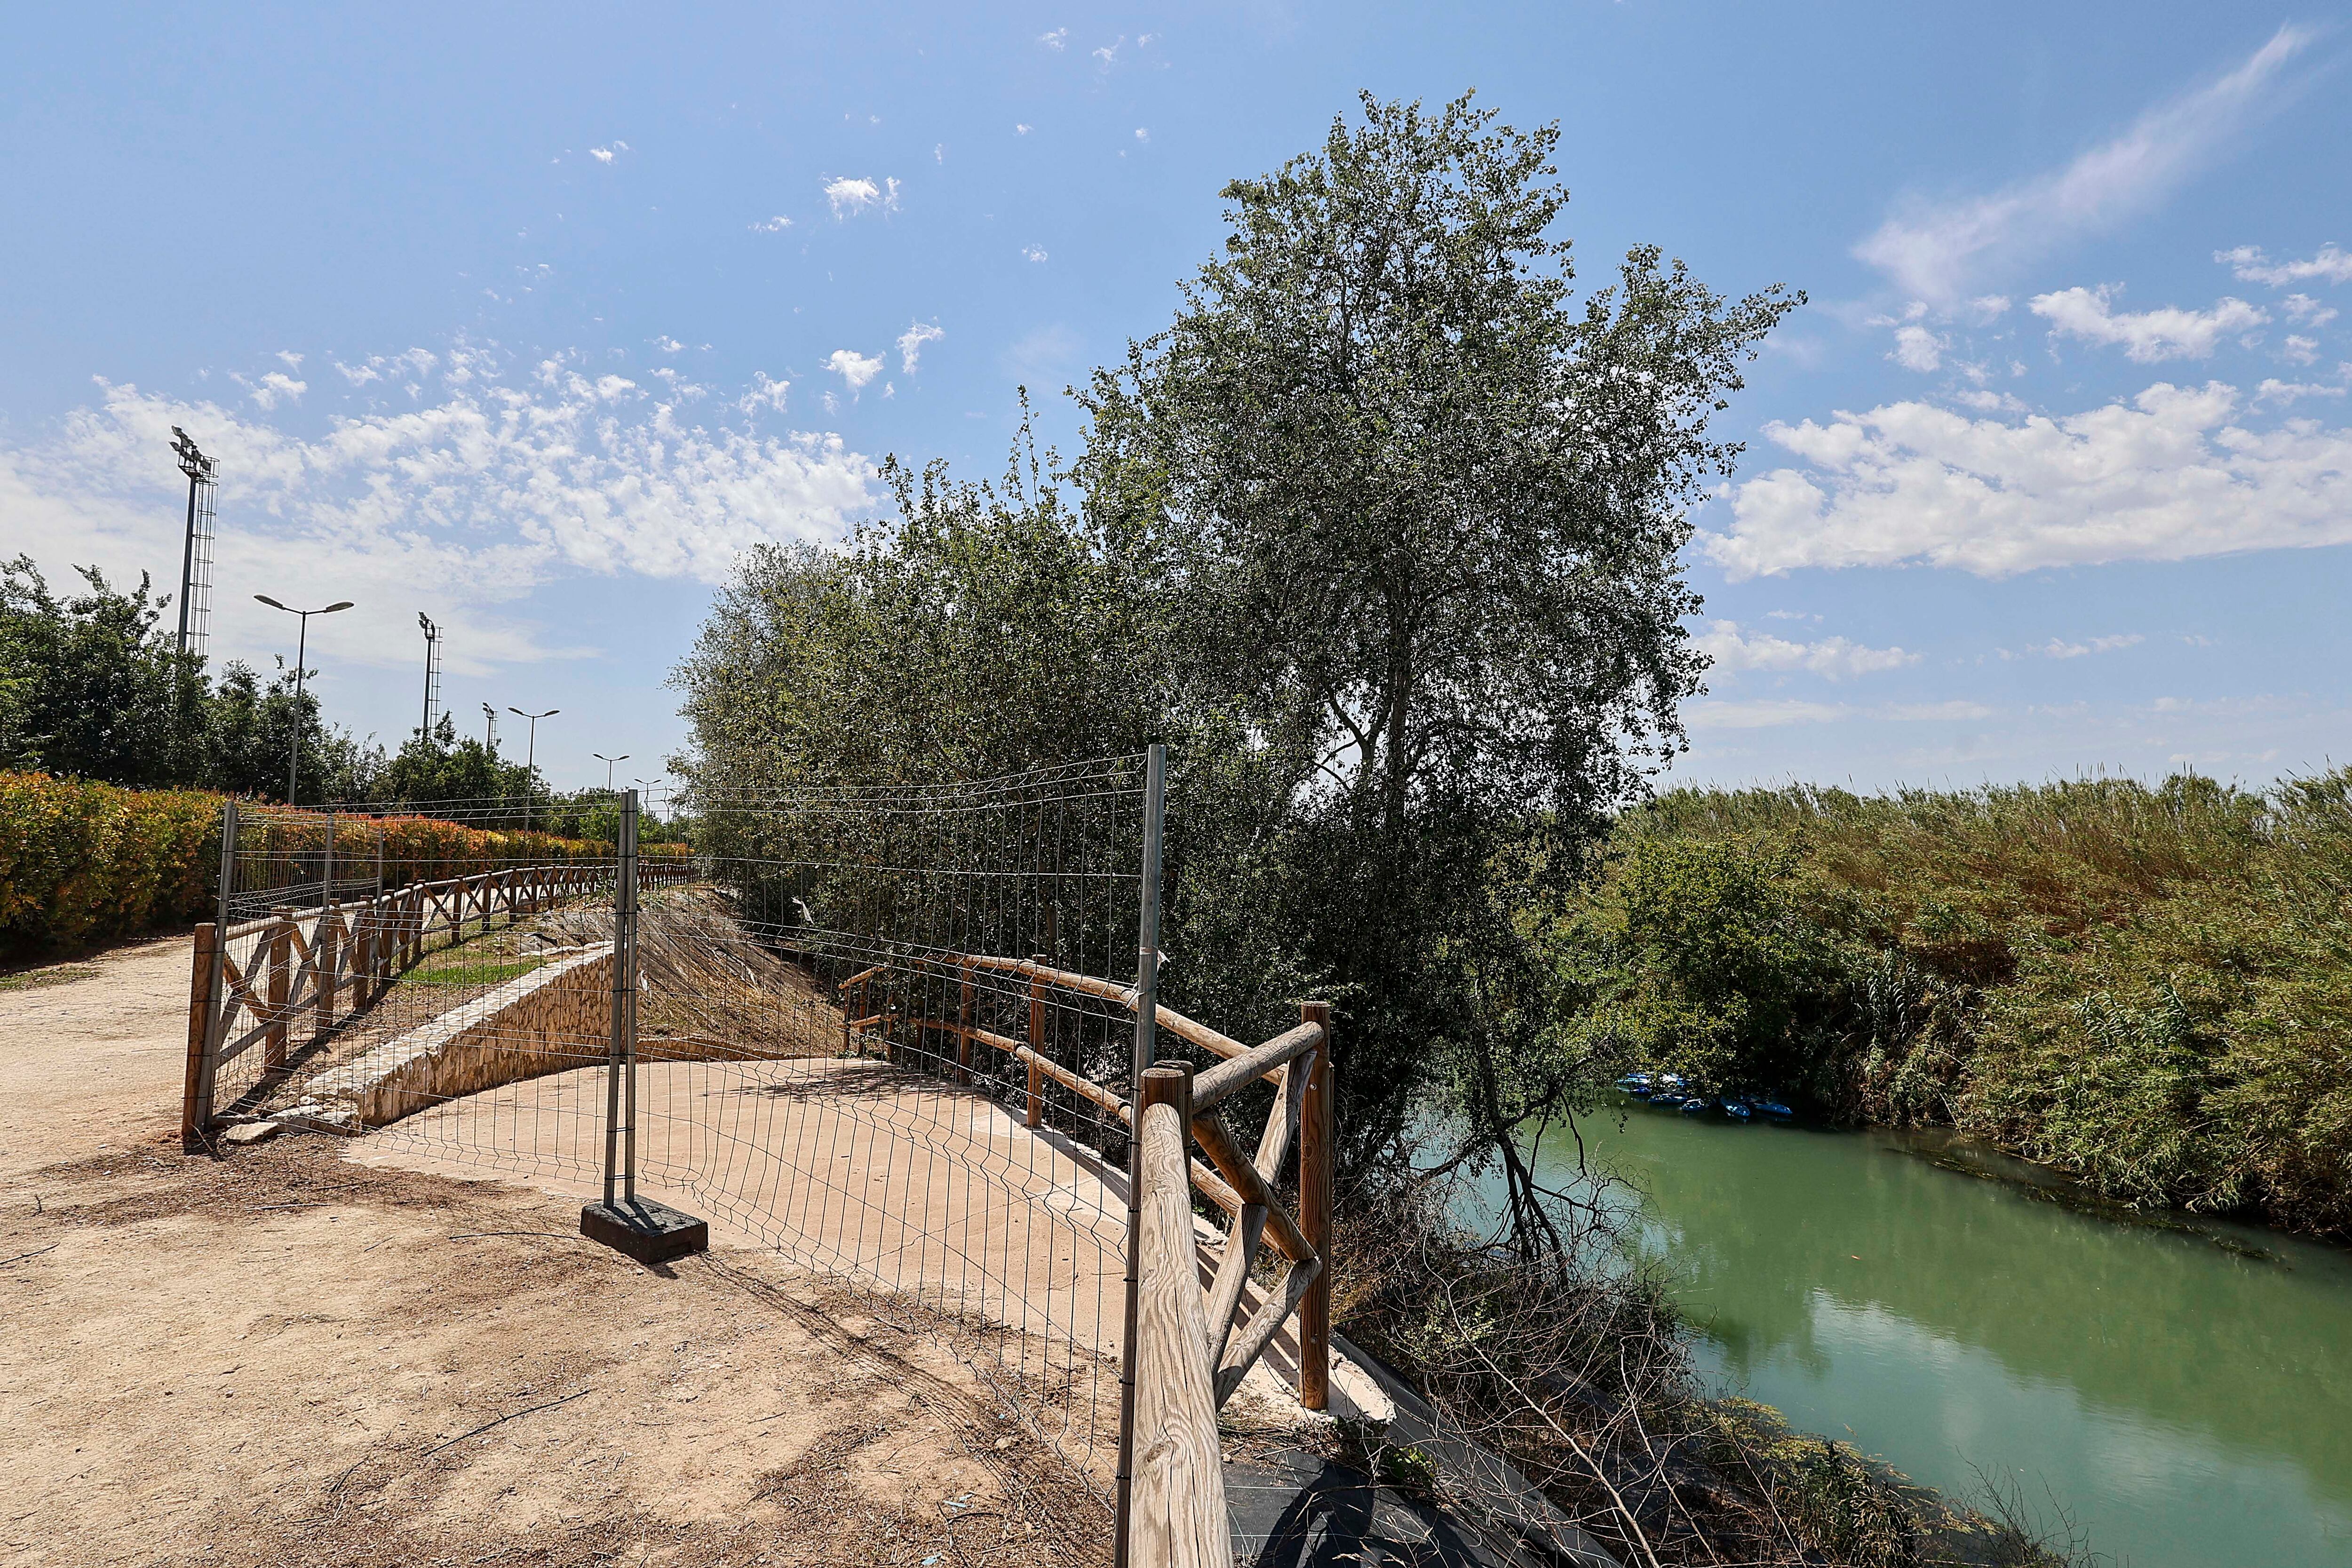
{"type": "Point", "coordinates": [1147, 1026]}
{"type": "Point", "coordinates": [626, 959]}
{"type": "Point", "coordinates": [620, 1112]}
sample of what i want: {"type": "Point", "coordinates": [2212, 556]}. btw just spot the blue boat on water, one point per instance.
{"type": "Point", "coordinates": [1738, 1109]}
{"type": "Point", "coordinates": [1667, 1100]}
{"type": "Point", "coordinates": [1775, 1110]}
{"type": "Point", "coordinates": [1636, 1084]}
{"type": "Point", "coordinates": [1696, 1105]}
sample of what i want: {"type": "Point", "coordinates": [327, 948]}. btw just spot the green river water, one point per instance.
{"type": "Point", "coordinates": [2185, 1396]}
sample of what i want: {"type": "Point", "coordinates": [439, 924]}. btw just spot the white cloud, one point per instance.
{"type": "Point", "coordinates": [776, 225]}
{"type": "Point", "coordinates": [2305, 309]}
{"type": "Point", "coordinates": [1142, 134]}
{"type": "Point", "coordinates": [1020, 129]}
{"type": "Point", "coordinates": [291, 360]}
{"type": "Point", "coordinates": [606, 154]}
{"type": "Point", "coordinates": [911, 341]}
{"type": "Point", "coordinates": [764, 393]}
{"type": "Point", "coordinates": [2276, 390]}
{"type": "Point", "coordinates": [2058, 647]}
{"type": "Point", "coordinates": [667, 344]}
{"type": "Point", "coordinates": [498, 482]}
{"type": "Point", "coordinates": [1033, 252]}
{"type": "Point", "coordinates": [851, 197]}
{"type": "Point", "coordinates": [2300, 351]}
{"type": "Point", "coordinates": [2168, 476]}
{"type": "Point", "coordinates": [855, 368]}
{"type": "Point", "coordinates": [1735, 649]}
{"type": "Point", "coordinates": [2332, 265]}
{"type": "Point", "coordinates": [276, 387]}
{"type": "Point", "coordinates": [1917, 348]}
{"type": "Point", "coordinates": [2168, 332]}
{"type": "Point", "coordinates": [1057, 39]}
{"type": "Point", "coordinates": [411, 368]}
{"type": "Point", "coordinates": [1109, 53]}
{"type": "Point", "coordinates": [1937, 250]}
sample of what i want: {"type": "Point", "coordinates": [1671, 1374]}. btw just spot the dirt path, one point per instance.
{"type": "Point", "coordinates": [284, 1357]}
{"type": "Point", "coordinates": [85, 1064]}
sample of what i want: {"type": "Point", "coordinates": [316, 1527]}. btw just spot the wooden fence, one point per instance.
{"type": "Point", "coordinates": [306, 962]}
{"type": "Point", "coordinates": [1189, 1357]}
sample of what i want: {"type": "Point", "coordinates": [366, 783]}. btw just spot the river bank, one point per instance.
{"type": "Point", "coordinates": [2142, 987]}
{"type": "Point", "coordinates": [2174, 1390]}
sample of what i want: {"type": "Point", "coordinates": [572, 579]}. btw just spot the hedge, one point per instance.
{"type": "Point", "coordinates": [86, 863]}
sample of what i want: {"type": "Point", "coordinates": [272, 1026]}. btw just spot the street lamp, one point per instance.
{"type": "Point", "coordinates": [530, 747]}
{"type": "Point", "coordinates": [489, 728]}
{"type": "Point", "coordinates": [530, 755]}
{"type": "Point", "coordinates": [608, 762]}
{"type": "Point", "coordinates": [302, 652]}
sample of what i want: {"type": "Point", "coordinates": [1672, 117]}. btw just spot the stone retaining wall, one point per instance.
{"type": "Point", "coordinates": [556, 1018]}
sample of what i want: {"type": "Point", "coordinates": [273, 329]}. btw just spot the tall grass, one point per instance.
{"type": "Point", "coordinates": [2148, 987]}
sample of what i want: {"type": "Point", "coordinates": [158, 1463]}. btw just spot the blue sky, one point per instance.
{"type": "Point", "coordinates": [532, 318]}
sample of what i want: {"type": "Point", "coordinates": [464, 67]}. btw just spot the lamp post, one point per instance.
{"type": "Point", "coordinates": [608, 762]}
{"type": "Point", "coordinates": [530, 749]}
{"type": "Point", "coordinates": [489, 728]}
{"type": "Point", "coordinates": [302, 652]}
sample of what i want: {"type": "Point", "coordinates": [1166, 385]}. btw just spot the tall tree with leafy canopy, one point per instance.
{"type": "Point", "coordinates": [1428, 509]}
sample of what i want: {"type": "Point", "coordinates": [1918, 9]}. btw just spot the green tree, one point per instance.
{"type": "Point", "coordinates": [440, 770]}
{"type": "Point", "coordinates": [249, 728]}
{"type": "Point", "coordinates": [1428, 509]}
{"type": "Point", "coordinates": [89, 685]}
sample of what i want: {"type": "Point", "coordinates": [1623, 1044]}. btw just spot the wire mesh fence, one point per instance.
{"type": "Point", "coordinates": [888, 1031]}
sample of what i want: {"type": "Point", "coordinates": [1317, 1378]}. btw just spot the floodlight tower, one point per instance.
{"type": "Point", "coordinates": [196, 555]}
{"type": "Point", "coordinates": [432, 674]}
{"type": "Point", "coordinates": [489, 728]}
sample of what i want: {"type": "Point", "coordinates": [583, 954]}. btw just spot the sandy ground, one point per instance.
{"type": "Point", "coordinates": [289, 1357]}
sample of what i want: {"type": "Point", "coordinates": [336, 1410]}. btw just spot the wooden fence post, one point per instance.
{"type": "Point", "coordinates": [326, 940]}
{"type": "Point", "coordinates": [195, 1096]}
{"type": "Point", "coordinates": [1315, 1132]}
{"type": "Point", "coordinates": [1175, 1516]}
{"type": "Point", "coordinates": [964, 1029]}
{"type": "Point", "coordinates": [1036, 1115]}
{"type": "Point", "coordinates": [279, 939]}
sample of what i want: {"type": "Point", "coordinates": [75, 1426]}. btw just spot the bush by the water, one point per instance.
{"type": "Point", "coordinates": [2148, 987]}
{"type": "Point", "coordinates": [83, 863]}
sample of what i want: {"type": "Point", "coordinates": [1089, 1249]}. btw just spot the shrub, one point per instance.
{"type": "Point", "coordinates": [86, 863]}
{"type": "Point", "coordinates": [83, 863]}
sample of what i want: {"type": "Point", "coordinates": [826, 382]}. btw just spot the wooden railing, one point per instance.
{"type": "Point", "coordinates": [305, 960]}
{"type": "Point", "coordinates": [1190, 1356]}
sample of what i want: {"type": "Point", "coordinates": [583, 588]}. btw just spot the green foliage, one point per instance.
{"type": "Point", "coordinates": [441, 770]}
{"type": "Point", "coordinates": [1381, 536]}
{"type": "Point", "coordinates": [86, 863]}
{"type": "Point", "coordinates": [2146, 987]}
{"type": "Point", "coordinates": [90, 687]}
